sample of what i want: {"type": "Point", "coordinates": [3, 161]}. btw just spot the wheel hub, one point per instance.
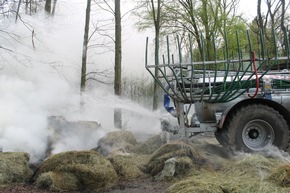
{"type": "Point", "coordinates": [257, 134]}
{"type": "Point", "coordinates": [253, 133]}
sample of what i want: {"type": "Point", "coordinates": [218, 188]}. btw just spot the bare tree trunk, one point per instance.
{"type": "Point", "coordinates": [156, 18]}
{"type": "Point", "coordinates": [155, 86]}
{"type": "Point", "coordinates": [30, 7]}
{"type": "Point", "coordinates": [47, 6]}
{"type": "Point", "coordinates": [17, 12]}
{"type": "Point", "coordinates": [26, 6]}
{"type": "Point", "coordinates": [283, 27]}
{"type": "Point", "coordinates": [189, 7]}
{"type": "Point", "coordinates": [118, 63]}
{"type": "Point", "coordinates": [54, 6]}
{"type": "Point", "coordinates": [85, 47]}
{"type": "Point", "coordinates": [259, 16]}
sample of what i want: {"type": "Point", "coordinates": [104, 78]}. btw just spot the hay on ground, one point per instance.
{"type": "Point", "coordinates": [176, 149]}
{"type": "Point", "coordinates": [194, 184]}
{"type": "Point", "coordinates": [14, 167]}
{"type": "Point", "coordinates": [246, 185]}
{"type": "Point", "coordinates": [217, 182]}
{"type": "Point", "coordinates": [281, 175]}
{"type": "Point", "coordinates": [128, 167]}
{"type": "Point", "coordinates": [92, 170]}
{"type": "Point", "coordinates": [246, 174]}
{"type": "Point", "coordinates": [168, 171]}
{"type": "Point", "coordinates": [183, 165]}
{"type": "Point", "coordinates": [252, 166]}
{"type": "Point", "coordinates": [57, 181]}
{"type": "Point", "coordinates": [149, 146]}
{"type": "Point", "coordinates": [116, 140]}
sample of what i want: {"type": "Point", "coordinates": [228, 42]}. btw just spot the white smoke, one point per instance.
{"type": "Point", "coordinates": [37, 82]}
{"type": "Point", "coordinates": [275, 152]}
{"type": "Point", "coordinates": [25, 104]}
{"type": "Point", "coordinates": [270, 151]}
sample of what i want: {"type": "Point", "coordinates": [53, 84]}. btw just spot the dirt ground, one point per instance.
{"type": "Point", "coordinates": [145, 185]}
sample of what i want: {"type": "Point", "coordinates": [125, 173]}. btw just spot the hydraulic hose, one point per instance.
{"type": "Point", "coordinates": [256, 74]}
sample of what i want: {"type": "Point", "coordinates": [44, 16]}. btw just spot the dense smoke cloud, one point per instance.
{"type": "Point", "coordinates": [25, 104]}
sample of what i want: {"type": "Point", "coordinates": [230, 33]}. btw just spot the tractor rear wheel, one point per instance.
{"type": "Point", "coordinates": [255, 127]}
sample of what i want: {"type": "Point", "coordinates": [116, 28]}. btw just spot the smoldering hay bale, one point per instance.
{"type": "Point", "coordinates": [281, 175]}
{"type": "Point", "coordinates": [177, 149]}
{"type": "Point", "coordinates": [119, 138]}
{"type": "Point", "coordinates": [183, 164]}
{"type": "Point", "coordinates": [14, 167]}
{"type": "Point", "coordinates": [129, 167]}
{"type": "Point", "coordinates": [92, 170]}
{"type": "Point", "coordinates": [149, 146]}
{"type": "Point", "coordinates": [116, 139]}
{"type": "Point", "coordinates": [57, 181]}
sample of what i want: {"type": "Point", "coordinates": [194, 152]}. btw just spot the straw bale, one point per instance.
{"type": "Point", "coordinates": [116, 139]}
{"type": "Point", "coordinates": [168, 171]}
{"type": "Point", "coordinates": [128, 167]}
{"type": "Point", "coordinates": [183, 165]}
{"type": "Point", "coordinates": [57, 181]}
{"type": "Point", "coordinates": [14, 167]}
{"type": "Point", "coordinates": [281, 175]}
{"type": "Point", "coordinates": [149, 146]}
{"type": "Point", "coordinates": [170, 150]}
{"type": "Point", "coordinates": [93, 171]}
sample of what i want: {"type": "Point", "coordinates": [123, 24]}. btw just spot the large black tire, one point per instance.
{"type": "Point", "coordinates": [255, 127]}
{"type": "Point", "coordinates": [221, 137]}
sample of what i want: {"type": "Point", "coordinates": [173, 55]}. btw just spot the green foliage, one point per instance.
{"type": "Point", "coordinates": [264, 43]}
{"type": "Point", "coordinates": [206, 21]}
{"type": "Point", "coordinates": [145, 15]}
